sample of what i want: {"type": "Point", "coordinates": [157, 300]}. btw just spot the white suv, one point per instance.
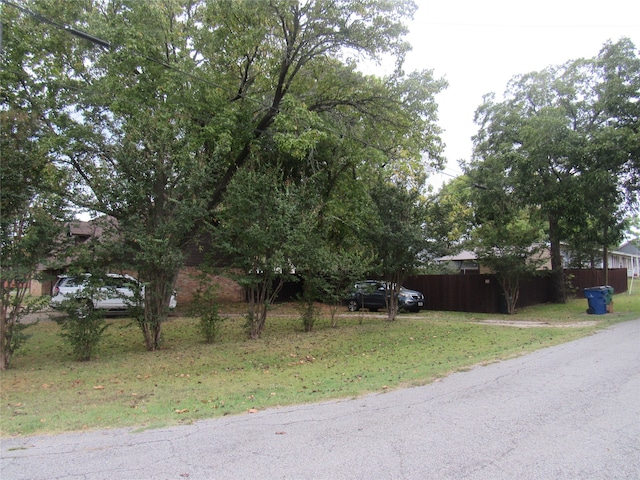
{"type": "Point", "coordinates": [114, 293]}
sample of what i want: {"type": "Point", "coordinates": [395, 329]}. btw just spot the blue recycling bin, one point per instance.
{"type": "Point", "coordinates": [598, 299]}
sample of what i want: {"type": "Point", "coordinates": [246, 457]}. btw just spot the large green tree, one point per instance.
{"type": "Point", "coordinates": [397, 235]}
{"type": "Point", "coordinates": [32, 209]}
{"type": "Point", "coordinates": [554, 136]}
{"type": "Point", "coordinates": [254, 237]}
{"type": "Point", "coordinates": [171, 99]}
{"type": "Point", "coordinates": [506, 234]}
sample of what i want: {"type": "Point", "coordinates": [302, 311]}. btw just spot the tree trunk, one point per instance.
{"type": "Point", "coordinates": [5, 339]}
{"type": "Point", "coordinates": [511, 292]}
{"type": "Point", "coordinates": [392, 292]}
{"type": "Point", "coordinates": [557, 269]}
{"type": "Point", "coordinates": [156, 307]}
{"type": "Point", "coordinates": [257, 319]}
{"type": "Point", "coordinates": [257, 315]}
{"type": "Point", "coordinates": [12, 304]}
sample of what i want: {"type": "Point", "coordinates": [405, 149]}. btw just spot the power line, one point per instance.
{"type": "Point", "coordinates": [107, 45]}
{"type": "Point", "coordinates": [62, 26]}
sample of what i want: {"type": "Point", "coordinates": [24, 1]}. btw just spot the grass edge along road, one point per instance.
{"type": "Point", "coordinates": [125, 386]}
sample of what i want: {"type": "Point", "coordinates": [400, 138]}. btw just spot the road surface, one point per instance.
{"type": "Point", "coordinates": [566, 412]}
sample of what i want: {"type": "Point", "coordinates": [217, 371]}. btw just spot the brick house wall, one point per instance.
{"type": "Point", "coordinates": [189, 280]}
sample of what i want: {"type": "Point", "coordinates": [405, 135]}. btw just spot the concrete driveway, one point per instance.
{"type": "Point", "coordinates": [566, 412]}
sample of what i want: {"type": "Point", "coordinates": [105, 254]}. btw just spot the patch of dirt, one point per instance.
{"type": "Point", "coordinates": [536, 323]}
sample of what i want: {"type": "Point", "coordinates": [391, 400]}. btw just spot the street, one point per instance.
{"type": "Point", "coordinates": [565, 412]}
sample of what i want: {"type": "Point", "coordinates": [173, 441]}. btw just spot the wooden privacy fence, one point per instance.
{"type": "Point", "coordinates": [581, 279]}
{"type": "Point", "coordinates": [482, 293]}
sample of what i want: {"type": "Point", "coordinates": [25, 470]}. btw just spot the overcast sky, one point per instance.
{"type": "Point", "coordinates": [479, 45]}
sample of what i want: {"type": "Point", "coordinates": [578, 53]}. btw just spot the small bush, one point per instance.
{"type": "Point", "coordinates": [13, 332]}
{"type": "Point", "coordinates": [308, 313]}
{"type": "Point", "coordinates": [82, 327]}
{"type": "Point", "coordinates": [205, 307]}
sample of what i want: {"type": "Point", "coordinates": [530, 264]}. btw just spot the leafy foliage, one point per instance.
{"type": "Point", "coordinates": [397, 236]}
{"type": "Point", "coordinates": [30, 225]}
{"type": "Point", "coordinates": [205, 307]}
{"type": "Point", "coordinates": [156, 119]}
{"type": "Point", "coordinates": [550, 143]}
{"type": "Point", "coordinates": [82, 327]}
{"type": "Point", "coordinates": [449, 214]}
{"type": "Point", "coordinates": [254, 236]}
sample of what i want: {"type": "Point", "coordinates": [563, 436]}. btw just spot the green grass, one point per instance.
{"type": "Point", "coordinates": [125, 386]}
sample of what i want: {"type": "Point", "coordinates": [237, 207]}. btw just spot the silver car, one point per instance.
{"type": "Point", "coordinates": [113, 293]}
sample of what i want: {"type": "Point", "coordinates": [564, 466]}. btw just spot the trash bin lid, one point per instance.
{"type": "Point", "coordinates": [601, 288]}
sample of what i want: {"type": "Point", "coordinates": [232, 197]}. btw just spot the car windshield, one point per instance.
{"type": "Point", "coordinates": [108, 281]}
{"type": "Point", "coordinates": [73, 281]}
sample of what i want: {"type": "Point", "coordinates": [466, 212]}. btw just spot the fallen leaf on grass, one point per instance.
{"type": "Point", "coordinates": [184, 410]}
{"type": "Point", "coordinates": [98, 387]}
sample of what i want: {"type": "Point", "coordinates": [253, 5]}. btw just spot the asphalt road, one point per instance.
{"type": "Point", "coordinates": [566, 412]}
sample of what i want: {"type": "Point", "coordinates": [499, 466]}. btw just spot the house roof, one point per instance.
{"type": "Point", "coordinates": [464, 255]}
{"type": "Point", "coordinates": [93, 228]}
{"type": "Point", "coordinates": [83, 229]}
{"type": "Point", "coordinates": [629, 247]}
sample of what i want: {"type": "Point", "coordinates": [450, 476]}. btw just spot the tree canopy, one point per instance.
{"type": "Point", "coordinates": [155, 107]}
{"type": "Point", "coordinates": [566, 141]}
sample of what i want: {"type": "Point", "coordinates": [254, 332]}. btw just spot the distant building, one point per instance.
{"type": "Point", "coordinates": [626, 256]}
{"type": "Point", "coordinates": [463, 262]}
{"type": "Point", "coordinates": [78, 232]}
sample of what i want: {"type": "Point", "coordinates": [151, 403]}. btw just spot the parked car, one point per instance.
{"type": "Point", "coordinates": [113, 293]}
{"type": "Point", "coordinates": [372, 294]}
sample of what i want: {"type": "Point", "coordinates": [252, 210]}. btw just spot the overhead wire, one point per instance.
{"type": "Point", "coordinates": [62, 26]}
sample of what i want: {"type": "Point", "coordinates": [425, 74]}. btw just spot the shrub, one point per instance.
{"type": "Point", "coordinates": [308, 313]}
{"type": "Point", "coordinates": [13, 332]}
{"type": "Point", "coordinates": [82, 327]}
{"type": "Point", "coordinates": [205, 307]}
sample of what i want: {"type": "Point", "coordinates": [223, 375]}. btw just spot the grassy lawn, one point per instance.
{"type": "Point", "coordinates": [126, 386]}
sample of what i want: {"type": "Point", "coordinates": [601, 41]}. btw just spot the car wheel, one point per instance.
{"type": "Point", "coordinates": [353, 306]}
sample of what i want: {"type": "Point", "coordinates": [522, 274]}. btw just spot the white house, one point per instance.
{"type": "Point", "coordinates": [626, 256]}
